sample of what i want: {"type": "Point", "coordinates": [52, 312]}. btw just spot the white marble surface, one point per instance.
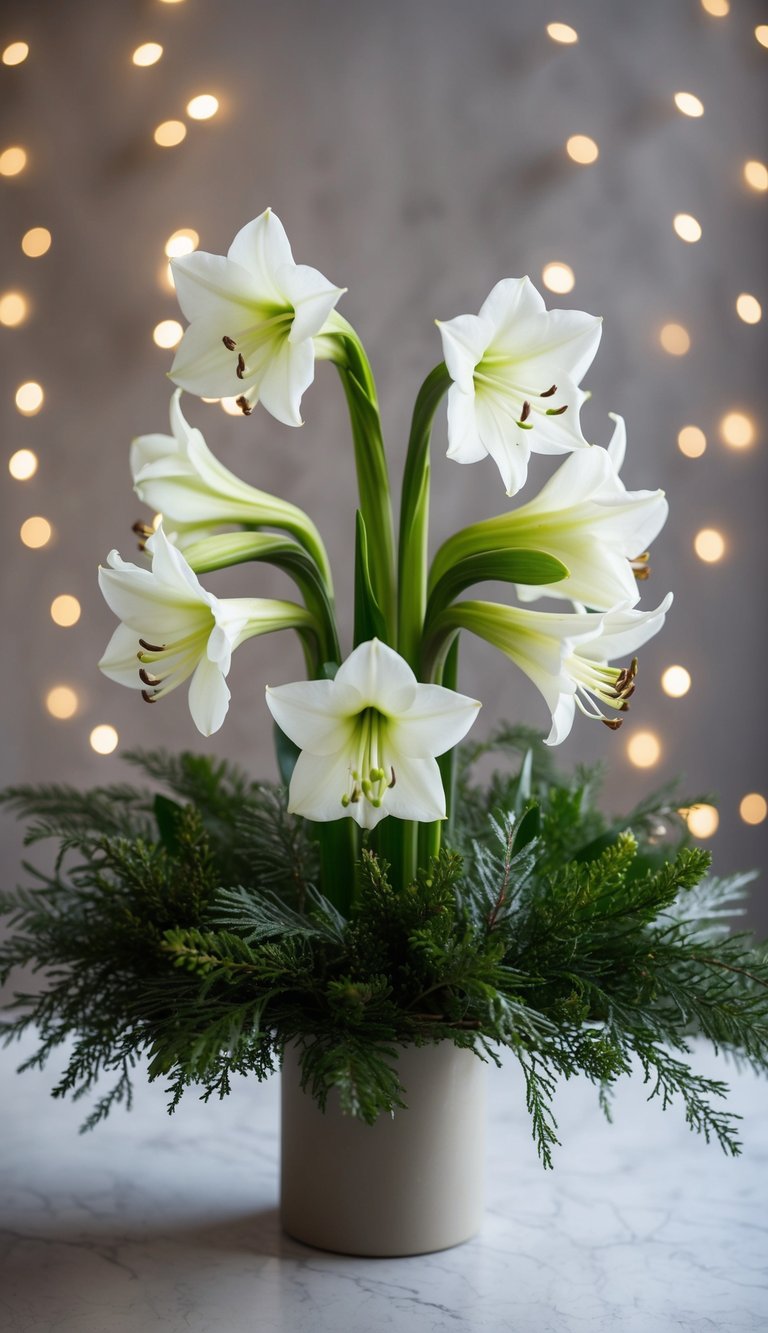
{"type": "Point", "coordinates": [152, 1223]}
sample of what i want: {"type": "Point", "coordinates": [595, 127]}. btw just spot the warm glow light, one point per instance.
{"type": "Point", "coordinates": [61, 701]}
{"type": "Point", "coordinates": [29, 398]}
{"type": "Point", "coordinates": [13, 309]}
{"type": "Point", "coordinates": [756, 174]}
{"type": "Point", "coordinates": [675, 339]}
{"type": "Point", "coordinates": [753, 808]}
{"type": "Point", "coordinates": [35, 532]}
{"type": "Point", "coordinates": [104, 738]}
{"type": "Point", "coordinates": [167, 333]}
{"type": "Point", "coordinates": [558, 277]}
{"type": "Point", "coordinates": [689, 104]}
{"type": "Point", "coordinates": [691, 441]}
{"type": "Point", "coordinates": [147, 54]}
{"type": "Point", "coordinates": [761, 33]}
{"type": "Point", "coordinates": [582, 149]}
{"type": "Point", "coordinates": [562, 32]}
{"type": "Point", "coordinates": [22, 465]}
{"type": "Point", "coordinates": [230, 406]}
{"type": "Point", "coordinates": [182, 242]}
{"type": "Point", "coordinates": [687, 228]}
{"type": "Point", "coordinates": [12, 161]}
{"type": "Point", "coordinates": [702, 820]}
{"type": "Point", "coordinates": [717, 8]}
{"type": "Point", "coordinates": [676, 682]}
{"type": "Point", "coordinates": [36, 242]}
{"type": "Point", "coordinates": [170, 2]}
{"type": "Point", "coordinates": [170, 132]}
{"type": "Point", "coordinates": [16, 53]}
{"type": "Point", "coordinates": [749, 308]}
{"type": "Point", "coordinates": [65, 610]}
{"type": "Point", "coordinates": [203, 106]}
{"type": "Point", "coordinates": [643, 749]}
{"type": "Point", "coordinates": [709, 545]}
{"type": "Point", "coordinates": [737, 430]}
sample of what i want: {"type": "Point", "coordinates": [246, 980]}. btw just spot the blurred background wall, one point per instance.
{"type": "Point", "coordinates": [416, 153]}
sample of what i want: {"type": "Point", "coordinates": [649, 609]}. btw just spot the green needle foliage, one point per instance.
{"type": "Point", "coordinates": [186, 931]}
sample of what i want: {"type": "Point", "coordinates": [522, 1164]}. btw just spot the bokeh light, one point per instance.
{"type": "Point", "coordinates": [717, 8]}
{"type": "Point", "coordinates": [675, 339]}
{"type": "Point", "coordinates": [16, 53]}
{"type": "Point", "coordinates": [644, 749]}
{"type": "Point", "coordinates": [62, 702]}
{"type": "Point", "coordinates": [203, 106]}
{"type": "Point", "coordinates": [170, 133]}
{"type": "Point", "coordinates": [36, 242]}
{"type": "Point", "coordinates": [104, 738]}
{"type": "Point", "coordinates": [558, 277]}
{"type": "Point", "coordinates": [702, 820]}
{"type": "Point", "coordinates": [676, 681]}
{"type": "Point", "coordinates": [13, 309]}
{"type": "Point", "coordinates": [582, 149]}
{"type": "Point", "coordinates": [689, 104]}
{"type": "Point", "coordinates": [29, 398]}
{"type": "Point", "coordinates": [756, 174]}
{"type": "Point", "coordinates": [753, 808]}
{"type": "Point", "coordinates": [35, 532]}
{"type": "Point", "coordinates": [563, 33]}
{"type": "Point", "coordinates": [737, 430]}
{"type": "Point", "coordinates": [147, 54]}
{"type": "Point", "coordinates": [687, 227]}
{"type": "Point", "coordinates": [749, 308]}
{"type": "Point", "coordinates": [709, 545]}
{"type": "Point", "coordinates": [182, 242]}
{"type": "Point", "coordinates": [65, 610]}
{"type": "Point", "coordinates": [230, 406]}
{"type": "Point", "coordinates": [22, 465]}
{"type": "Point", "coordinates": [691, 441]}
{"type": "Point", "coordinates": [12, 161]}
{"type": "Point", "coordinates": [167, 333]}
{"type": "Point", "coordinates": [761, 33]}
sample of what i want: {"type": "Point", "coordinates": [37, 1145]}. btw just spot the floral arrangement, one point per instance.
{"type": "Point", "coordinates": [379, 903]}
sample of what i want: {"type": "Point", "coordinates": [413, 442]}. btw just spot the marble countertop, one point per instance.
{"type": "Point", "coordinates": [152, 1223]}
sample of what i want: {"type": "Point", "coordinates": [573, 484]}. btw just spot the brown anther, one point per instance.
{"type": "Point", "coordinates": [633, 668]}
{"type": "Point", "coordinates": [557, 411]}
{"type": "Point", "coordinates": [355, 797]}
{"type": "Point", "coordinates": [244, 405]}
{"type": "Point", "coordinates": [629, 691]}
{"type": "Point", "coordinates": [240, 366]}
{"type": "Point", "coordinates": [152, 647]}
{"type": "Point", "coordinates": [142, 529]}
{"type": "Point", "coordinates": [526, 412]}
{"type": "Point", "coordinates": [394, 779]}
{"type": "Point", "coordinates": [613, 723]}
{"type": "Point", "coordinates": [229, 343]}
{"type": "Point", "coordinates": [148, 698]}
{"type": "Point", "coordinates": [149, 679]}
{"type": "Point", "coordinates": [548, 392]}
{"type": "Point", "coordinates": [641, 574]}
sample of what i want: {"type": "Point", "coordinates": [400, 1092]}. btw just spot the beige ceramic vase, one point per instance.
{"type": "Point", "coordinates": [408, 1184]}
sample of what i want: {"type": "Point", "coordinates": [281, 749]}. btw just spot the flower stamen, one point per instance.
{"type": "Point", "coordinates": [245, 407]}
{"type": "Point", "coordinates": [229, 343]}
{"type": "Point", "coordinates": [549, 392]}
{"type": "Point", "coordinates": [240, 370]}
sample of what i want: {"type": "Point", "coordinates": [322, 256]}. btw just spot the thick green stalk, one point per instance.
{"type": "Point", "coordinates": [431, 835]}
{"type": "Point", "coordinates": [339, 846]}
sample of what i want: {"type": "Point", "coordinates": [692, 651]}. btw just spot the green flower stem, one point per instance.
{"type": "Point", "coordinates": [235, 548]}
{"type": "Point", "coordinates": [431, 835]}
{"type": "Point", "coordinates": [348, 353]}
{"type": "Point", "coordinates": [414, 518]}
{"type": "Point", "coordinates": [396, 842]}
{"type": "Point", "coordinates": [339, 846]}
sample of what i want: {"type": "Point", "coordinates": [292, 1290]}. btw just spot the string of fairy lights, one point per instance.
{"type": "Point", "coordinates": [736, 428]}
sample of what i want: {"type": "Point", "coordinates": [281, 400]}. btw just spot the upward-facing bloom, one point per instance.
{"type": "Point", "coordinates": [172, 628]}
{"type": "Point", "coordinates": [369, 738]}
{"type": "Point", "coordinates": [253, 316]}
{"type": "Point", "coordinates": [516, 369]}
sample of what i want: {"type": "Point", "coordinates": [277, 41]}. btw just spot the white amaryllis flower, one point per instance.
{"type": "Point", "coordinates": [566, 656]}
{"type": "Point", "coordinates": [516, 369]}
{"type": "Point", "coordinates": [172, 628]}
{"type": "Point", "coordinates": [253, 316]}
{"type": "Point", "coordinates": [369, 738]}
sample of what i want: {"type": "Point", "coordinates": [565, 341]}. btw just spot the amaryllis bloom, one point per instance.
{"type": "Point", "coordinates": [253, 316]}
{"type": "Point", "coordinates": [516, 369]}
{"type": "Point", "coordinates": [567, 656]}
{"type": "Point", "coordinates": [369, 738]}
{"type": "Point", "coordinates": [585, 517]}
{"type": "Point", "coordinates": [173, 629]}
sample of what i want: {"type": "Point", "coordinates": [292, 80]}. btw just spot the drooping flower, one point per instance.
{"type": "Point", "coordinates": [516, 369]}
{"type": "Point", "coordinates": [566, 656]}
{"type": "Point", "coordinates": [253, 316]}
{"type": "Point", "coordinates": [369, 738]}
{"type": "Point", "coordinates": [179, 476]}
{"type": "Point", "coordinates": [586, 518]}
{"type": "Point", "coordinates": [173, 628]}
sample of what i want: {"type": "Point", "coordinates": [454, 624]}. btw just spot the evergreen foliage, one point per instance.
{"type": "Point", "coordinates": [186, 930]}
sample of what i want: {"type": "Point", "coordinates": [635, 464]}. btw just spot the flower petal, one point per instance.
{"type": "Point", "coordinates": [312, 296]}
{"type": "Point", "coordinates": [137, 598]}
{"type": "Point", "coordinates": [382, 678]}
{"type": "Point", "coordinates": [261, 247]}
{"type": "Point", "coordinates": [120, 661]}
{"type": "Point", "coordinates": [289, 371]}
{"type": "Point", "coordinates": [309, 714]}
{"type": "Point", "coordinates": [436, 721]}
{"type": "Point", "coordinates": [464, 443]}
{"type": "Point", "coordinates": [202, 364]}
{"type": "Point", "coordinates": [510, 300]}
{"type": "Point", "coordinates": [208, 697]}
{"type": "Point", "coordinates": [618, 443]}
{"type": "Point", "coordinates": [625, 630]}
{"type": "Point", "coordinates": [318, 784]}
{"type": "Point", "coordinates": [465, 339]}
{"type": "Point", "coordinates": [211, 286]}
{"type": "Point", "coordinates": [504, 440]}
{"type": "Point", "coordinates": [561, 342]}
{"type": "Point", "coordinates": [147, 450]}
{"type": "Point", "coordinates": [562, 719]}
{"type": "Point", "coordinates": [418, 791]}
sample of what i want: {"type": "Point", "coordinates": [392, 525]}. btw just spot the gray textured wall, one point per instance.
{"type": "Point", "coordinates": [415, 152]}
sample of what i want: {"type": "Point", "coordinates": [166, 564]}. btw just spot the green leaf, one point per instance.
{"type": "Point", "coordinates": [168, 815]}
{"type": "Point", "coordinates": [369, 621]}
{"type": "Point", "coordinates": [286, 752]}
{"type": "Point", "coordinates": [527, 829]}
{"type": "Point", "coordinates": [516, 566]}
